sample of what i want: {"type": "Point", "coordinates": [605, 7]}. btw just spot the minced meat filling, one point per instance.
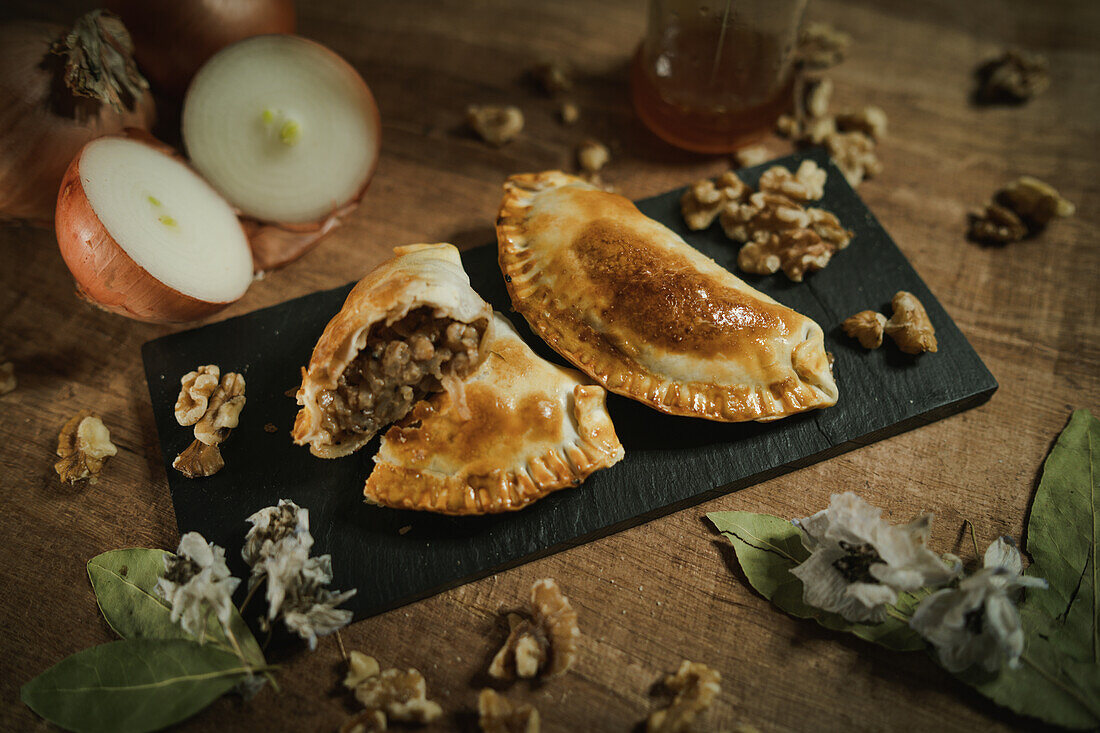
{"type": "Point", "coordinates": [400, 364]}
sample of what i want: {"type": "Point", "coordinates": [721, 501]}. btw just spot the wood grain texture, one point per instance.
{"type": "Point", "coordinates": [668, 590]}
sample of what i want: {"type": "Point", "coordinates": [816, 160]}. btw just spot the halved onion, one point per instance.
{"type": "Point", "coordinates": [288, 132]}
{"type": "Point", "coordinates": [146, 237]}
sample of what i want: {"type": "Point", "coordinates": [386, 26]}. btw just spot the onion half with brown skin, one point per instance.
{"type": "Point", "coordinates": [289, 133]}
{"type": "Point", "coordinates": [52, 102]}
{"type": "Point", "coordinates": [174, 38]}
{"type": "Point", "coordinates": [144, 236]}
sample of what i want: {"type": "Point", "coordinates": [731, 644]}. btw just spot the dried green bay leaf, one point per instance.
{"type": "Point", "coordinates": [1059, 676]}
{"type": "Point", "coordinates": [768, 547]}
{"type": "Point", "coordinates": [125, 582]}
{"type": "Point", "coordinates": [132, 685]}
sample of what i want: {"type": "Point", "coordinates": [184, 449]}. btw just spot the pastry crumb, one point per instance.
{"type": "Point", "coordinates": [271, 427]}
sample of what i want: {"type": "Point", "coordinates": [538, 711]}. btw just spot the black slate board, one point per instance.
{"type": "Point", "coordinates": [670, 463]}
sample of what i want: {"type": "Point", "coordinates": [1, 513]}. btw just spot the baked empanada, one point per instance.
{"type": "Point", "coordinates": [632, 304]}
{"type": "Point", "coordinates": [522, 428]}
{"type": "Point", "coordinates": [410, 327]}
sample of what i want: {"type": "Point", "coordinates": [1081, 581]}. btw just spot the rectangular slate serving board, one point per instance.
{"type": "Point", "coordinates": [670, 463]}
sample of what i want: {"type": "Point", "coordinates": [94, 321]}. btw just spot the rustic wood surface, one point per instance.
{"type": "Point", "coordinates": [668, 590]}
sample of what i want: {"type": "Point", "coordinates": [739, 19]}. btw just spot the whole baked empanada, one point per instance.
{"type": "Point", "coordinates": [632, 304]}
{"type": "Point", "coordinates": [522, 428]}
{"type": "Point", "coordinates": [410, 327]}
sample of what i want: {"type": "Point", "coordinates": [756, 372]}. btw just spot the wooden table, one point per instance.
{"type": "Point", "coordinates": [668, 590]}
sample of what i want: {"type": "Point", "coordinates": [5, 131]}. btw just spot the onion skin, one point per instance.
{"type": "Point", "coordinates": [105, 275]}
{"type": "Point", "coordinates": [173, 38]}
{"type": "Point", "coordinates": [36, 143]}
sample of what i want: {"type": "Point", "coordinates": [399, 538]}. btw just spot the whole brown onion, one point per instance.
{"type": "Point", "coordinates": [173, 38]}
{"type": "Point", "coordinates": [52, 102]}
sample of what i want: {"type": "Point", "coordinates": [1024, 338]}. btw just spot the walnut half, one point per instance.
{"type": "Point", "coordinates": [195, 390]}
{"type": "Point", "coordinates": [701, 203]}
{"type": "Point", "coordinates": [546, 643]}
{"type": "Point", "coordinates": [220, 403]}
{"type": "Point", "coordinates": [910, 326]}
{"type": "Point", "coordinates": [695, 685]}
{"type": "Point", "coordinates": [387, 695]}
{"type": "Point", "coordinates": [224, 410]}
{"type": "Point", "coordinates": [805, 184]}
{"type": "Point", "coordinates": [498, 714]}
{"type": "Point", "coordinates": [867, 326]}
{"type": "Point", "coordinates": [84, 445]}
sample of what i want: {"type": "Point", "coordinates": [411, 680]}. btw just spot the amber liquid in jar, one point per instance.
{"type": "Point", "coordinates": [710, 91]}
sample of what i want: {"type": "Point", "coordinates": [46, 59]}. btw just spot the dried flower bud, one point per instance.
{"type": "Point", "coordinates": [496, 125]}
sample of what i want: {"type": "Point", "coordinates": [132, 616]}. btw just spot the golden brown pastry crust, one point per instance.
{"type": "Point", "coordinates": [420, 275]}
{"type": "Point", "coordinates": [532, 428]}
{"type": "Point", "coordinates": [627, 301]}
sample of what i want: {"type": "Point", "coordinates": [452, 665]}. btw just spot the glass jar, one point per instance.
{"type": "Point", "coordinates": [714, 76]}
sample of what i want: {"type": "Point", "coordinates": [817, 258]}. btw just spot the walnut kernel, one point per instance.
{"type": "Point", "coordinates": [760, 216]}
{"type": "Point", "coordinates": [752, 155]}
{"type": "Point", "coordinates": [1015, 76]}
{"type": "Point", "coordinates": [910, 326]}
{"type": "Point", "coordinates": [84, 445]}
{"type": "Point", "coordinates": [496, 125]}
{"type": "Point", "coordinates": [695, 686]}
{"type": "Point", "coordinates": [498, 714]}
{"type": "Point", "coordinates": [199, 460]}
{"type": "Point", "coordinates": [806, 184]}
{"type": "Point", "coordinates": [592, 155]}
{"type": "Point", "coordinates": [821, 46]}
{"type": "Point", "coordinates": [569, 113]}
{"type": "Point", "coordinates": [1035, 201]}
{"type": "Point", "coordinates": [399, 696]}
{"type": "Point", "coordinates": [996, 225]}
{"type": "Point", "coordinates": [816, 94]}
{"type": "Point", "coordinates": [546, 643]}
{"type": "Point", "coordinates": [854, 154]}
{"type": "Point", "coordinates": [867, 326]}
{"type": "Point", "coordinates": [704, 199]}
{"type": "Point", "coordinates": [7, 376]}
{"type": "Point", "coordinates": [552, 77]}
{"type": "Point", "coordinates": [195, 390]}
{"type": "Point", "coordinates": [224, 410]}
{"type": "Point", "coordinates": [368, 721]}
{"type": "Point", "coordinates": [870, 120]}
{"type": "Point", "coordinates": [825, 225]}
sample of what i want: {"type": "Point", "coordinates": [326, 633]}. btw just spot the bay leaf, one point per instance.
{"type": "Point", "coordinates": [768, 547]}
{"type": "Point", "coordinates": [133, 685]}
{"type": "Point", "coordinates": [1059, 677]}
{"type": "Point", "coordinates": [125, 582]}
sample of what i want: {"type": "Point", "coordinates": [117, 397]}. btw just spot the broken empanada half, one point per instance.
{"type": "Point", "coordinates": [648, 316]}
{"type": "Point", "coordinates": [412, 326]}
{"type": "Point", "coordinates": [521, 429]}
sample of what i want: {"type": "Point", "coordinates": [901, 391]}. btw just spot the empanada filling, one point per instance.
{"type": "Point", "coordinates": [399, 364]}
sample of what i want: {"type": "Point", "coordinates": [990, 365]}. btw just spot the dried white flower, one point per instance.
{"type": "Point", "coordinates": [296, 592]}
{"type": "Point", "coordinates": [195, 581]}
{"type": "Point", "coordinates": [977, 622]}
{"type": "Point", "coordinates": [859, 563]}
{"type": "Point", "coordinates": [272, 525]}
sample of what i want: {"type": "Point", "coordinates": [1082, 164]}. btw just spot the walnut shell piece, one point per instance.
{"type": "Point", "coordinates": [910, 326]}
{"type": "Point", "coordinates": [195, 390]}
{"type": "Point", "coordinates": [544, 644]}
{"type": "Point", "coordinates": [695, 686]}
{"type": "Point", "coordinates": [867, 326]}
{"type": "Point", "coordinates": [84, 445]}
{"type": "Point", "coordinates": [7, 376]}
{"type": "Point", "coordinates": [495, 125]}
{"type": "Point", "coordinates": [224, 410]}
{"type": "Point", "coordinates": [498, 714]}
{"type": "Point", "coordinates": [199, 460]}
{"type": "Point", "coordinates": [701, 203]}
